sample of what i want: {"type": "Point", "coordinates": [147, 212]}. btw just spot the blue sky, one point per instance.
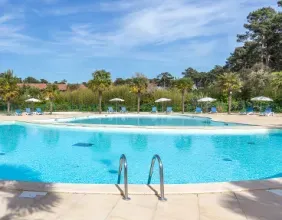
{"type": "Point", "coordinates": [62, 39]}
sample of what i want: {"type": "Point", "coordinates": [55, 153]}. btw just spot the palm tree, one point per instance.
{"type": "Point", "coordinates": [229, 83]}
{"type": "Point", "coordinates": [51, 92]}
{"type": "Point", "coordinates": [100, 82]}
{"type": "Point", "coordinates": [184, 85]}
{"type": "Point", "coordinates": [139, 86]}
{"type": "Point", "coordinates": [165, 79]}
{"type": "Point", "coordinates": [9, 89]}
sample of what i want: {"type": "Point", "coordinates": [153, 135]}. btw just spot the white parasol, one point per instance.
{"type": "Point", "coordinates": [116, 100]}
{"type": "Point", "coordinates": [163, 100]}
{"type": "Point", "coordinates": [206, 99]}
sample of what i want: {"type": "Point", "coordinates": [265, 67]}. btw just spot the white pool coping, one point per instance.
{"type": "Point", "coordinates": [138, 189]}
{"type": "Point", "coordinates": [199, 130]}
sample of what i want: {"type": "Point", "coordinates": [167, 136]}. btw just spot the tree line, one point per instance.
{"type": "Point", "coordinates": [253, 69]}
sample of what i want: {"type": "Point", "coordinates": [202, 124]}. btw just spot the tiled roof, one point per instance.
{"type": "Point", "coordinates": [41, 86]}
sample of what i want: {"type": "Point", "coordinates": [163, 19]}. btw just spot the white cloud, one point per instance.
{"type": "Point", "coordinates": [161, 30]}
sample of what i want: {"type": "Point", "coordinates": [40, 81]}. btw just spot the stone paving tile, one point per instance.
{"type": "Point", "coordinates": [91, 207]}
{"type": "Point", "coordinates": [47, 207]}
{"type": "Point", "coordinates": [140, 207]}
{"type": "Point", "coordinates": [220, 206]}
{"type": "Point", "coordinates": [179, 207]}
{"type": "Point", "coordinates": [261, 205]}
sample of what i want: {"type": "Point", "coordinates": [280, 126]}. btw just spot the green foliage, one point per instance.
{"type": "Point", "coordinates": [101, 81]}
{"type": "Point", "coordinates": [139, 83]}
{"type": "Point", "coordinates": [262, 41]}
{"type": "Point", "coordinates": [229, 82]}
{"type": "Point", "coordinates": [30, 80]}
{"type": "Point", "coordinates": [184, 85]}
{"type": "Point", "coordinates": [165, 79]}
{"type": "Point", "coordinates": [50, 94]}
{"type": "Point", "coordinates": [8, 88]}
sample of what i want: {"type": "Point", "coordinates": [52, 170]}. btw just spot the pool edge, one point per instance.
{"type": "Point", "coordinates": [138, 189]}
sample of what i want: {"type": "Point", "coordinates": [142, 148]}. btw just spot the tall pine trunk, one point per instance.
{"type": "Point", "coordinates": [8, 106]}
{"type": "Point", "coordinates": [183, 107]}
{"type": "Point", "coordinates": [100, 102]}
{"type": "Point", "coordinates": [138, 102]}
{"type": "Point", "coordinates": [229, 102]}
{"type": "Point", "coordinates": [51, 106]}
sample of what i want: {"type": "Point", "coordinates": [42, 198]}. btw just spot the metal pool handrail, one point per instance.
{"type": "Point", "coordinates": [161, 171]}
{"type": "Point", "coordinates": [123, 163]}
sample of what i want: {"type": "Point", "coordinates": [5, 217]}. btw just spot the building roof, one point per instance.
{"type": "Point", "coordinates": [42, 86]}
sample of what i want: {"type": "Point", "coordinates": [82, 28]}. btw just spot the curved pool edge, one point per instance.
{"type": "Point", "coordinates": [138, 189]}
{"type": "Point", "coordinates": [149, 129]}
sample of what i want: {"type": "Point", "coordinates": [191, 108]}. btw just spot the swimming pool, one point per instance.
{"type": "Point", "coordinates": [67, 155]}
{"type": "Point", "coordinates": [148, 120]}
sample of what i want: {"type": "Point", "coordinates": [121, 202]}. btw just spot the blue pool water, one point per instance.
{"type": "Point", "coordinates": [152, 121]}
{"type": "Point", "coordinates": [49, 154]}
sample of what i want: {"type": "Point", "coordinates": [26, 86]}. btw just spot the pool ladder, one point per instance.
{"type": "Point", "coordinates": [161, 172]}
{"type": "Point", "coordinates": [123, 164]}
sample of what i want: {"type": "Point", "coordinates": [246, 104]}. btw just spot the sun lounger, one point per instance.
{"type": "Point", "coordinates": [154, 110]}
{"type": "Point", "coordinates": [169, 109]}
{"type": "Point", "coordinates": [213, 110]}
{"type": "Point", "coordinates": [110, 110]}
{"type": "Point", "coordinates": [249, 111]}
{"type": "Point", "coordinates": [39, 111]}
{"type": "Point", "coordinates": [198, 110]}
{"type": "Point", "coordinates": [28, 111]}
{"type": "Point", "coordinates": [267, 112]}
{"type": "Point", "coordinates": [123, 110]}
{"type": "Point", "coordinates": [18, 112]}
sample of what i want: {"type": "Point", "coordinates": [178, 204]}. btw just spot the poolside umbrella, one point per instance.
{"type": "Point", "coordinates": [207, 100]}
{"type": "Point", "coordinates": [162, 100]}
{"type": "Point", "coordinates": [261, 99]}
{"type": "Point", "coordinates": [33, 100]}
{"type": "Point", "coordinates": [116, 100]}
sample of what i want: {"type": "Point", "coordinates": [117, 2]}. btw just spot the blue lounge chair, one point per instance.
{"type": "Point", "coordinates": [110, 110]}
{"type": "Point", "coordinates": [18, 112]}
{"type": "Point", "coordinates": [169, 109]}
{"type": "Point", "coordinates": [28, 111]}
{"type": "Point", "coordinates": [198, 110]}
{"type": "Point", "coordinates": [123, 109]}
{"type": "Point", "coordinates": [39, 111]}
{"type": "Point", "coordinates": [267, 112]}
{"type": "Point", "coordinates": [213, 110]}
{"type": "Point", "coordinates": [154, 110]}
{"type": "Point", "coordinates": [249, 111]}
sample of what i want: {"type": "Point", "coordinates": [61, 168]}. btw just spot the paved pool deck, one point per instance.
{"type": "Point", "coordinates": [251, 205]}
{"type": "Point", "coordinates": [255, 200]}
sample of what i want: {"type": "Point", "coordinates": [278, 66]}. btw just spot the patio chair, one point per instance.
{"type": "Point", "coordinates": [28, 111]}
{"type": "Point", "coordinates": [169, 109]}
{"type": "Point", "coordinates": [213, 110]}
{"type": "Point", "coordinates": [123, 109]}
{"type": "Point", "coordinates": [39, 111]}
{"type": "Point", "coordinates": [154, 110]}
{"type": "Point", "coordinates": [267, 112]}
{"type": "Point", "coordinates": [249, 111]}
{"type": "Point", "coordinates": [110, 110]}
{"type": "Point", "coordinates": [198, 110]}
{"type": "Point", "coordinates": [18, 112]}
